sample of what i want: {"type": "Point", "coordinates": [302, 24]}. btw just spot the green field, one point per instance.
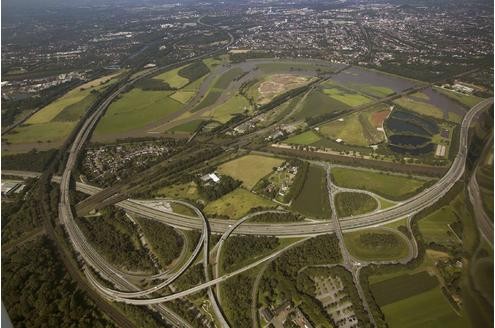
{"type": "Point", "coordinates": [354, 203]}
{"type": "Point", "coordinates": [179, 191]}
{"type": "Point", "coordinates": [42, 132]}
{"type": "Point", "coordinates": [435, 227]}
{"type": "Point", "coordinates": [49, 127]}
{"type": "Point", "coordinates": [250, 168]}
{"type": "Point", "coordinates": [369, 89]}
{"type": "Point", "coordinates": [288, 67]}
{"type": "Point", "coordinates": [305, 138]}
{"type": "Point", "coordinates": [394, 187]}
{"type": "Point", "coordinates": [135, 110]}
{"type": "Point", "coordinates": [350, 130]}
{"type": "Point", "coordinates": [348, 98]}
{"type": "Point", "coordinates": [313, 199]}
{"type": "Point", "coordinates": [426, 310]}
{"type": "Point", "coordinates": [188, 127]}
{"type": "Point", "coordinates": [173, 78]}
{"type": "Point", "coordinates": [183, 96]}
{"type": "Point", "coordinates": [318, 103]}
{"type": "Point", "coordinates": [376, 244]}
{"type": "Point", "coordinates": [224, 112]}
{"type": "Point", "coordinates": [236, 204]}
{"type": "Point", "coordinates": [420, 107]}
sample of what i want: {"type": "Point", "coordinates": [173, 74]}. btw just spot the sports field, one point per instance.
{"type": "Point", "coordinates": [237, 203]}
{"type": "Point", "coordinates": [250, 168]}
{"type": "Point", "coordinates": [354, 203]}
{"type": "Point", "coordinates": [394, 187]}
{"type": "Point", "coordinates": [313, 199]}
{"type": "Point", "coordinates": [135, 110]}
{"type": "Point", "coordinates": [305, 138]}
{"type": "Point", "coordinates": [376, 244]}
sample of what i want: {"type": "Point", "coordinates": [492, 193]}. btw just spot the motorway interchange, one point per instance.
{"type": "Point", "coordinates": [125, 291]}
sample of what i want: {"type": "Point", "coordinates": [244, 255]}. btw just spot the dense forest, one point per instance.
{"type": "Point", "coordinates": [38, 292]}
{"type": "Point", "coordinates": [164, 241]}
{"type": "Point", "coordinates": [240, 248]}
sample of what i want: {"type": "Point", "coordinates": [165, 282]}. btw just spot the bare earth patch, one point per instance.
{"type": "Point", "coordinates": [277, 84]}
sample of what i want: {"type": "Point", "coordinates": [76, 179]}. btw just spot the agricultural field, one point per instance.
{"type": "Point", "coordinates": [394, 187]}
{"type": "Point", "coordinates": [182, 96]}
{"type": "Point", "coordinates": [236, 204]}
{"type": "Point", "coordinates": [426, 310]}
{"type": "Point", "coordinates": [135, 110]}
{"type": "Point", "coordinates": [376, 244]}
{"type": "Point", "coordinates": [354, 203]}
{"type": "Point", "coordinates": [313, 198]}
{"type": "Point", "coordinates": [49, 127]}
{"type": "Point", "coordinates": [250, 168]}
{"type": "Point", "coordinates": [305, 138]}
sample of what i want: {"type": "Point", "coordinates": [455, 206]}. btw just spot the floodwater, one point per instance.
{"type": "Point", "coordinates": [444, 103]}
{"type": "Point", "coordinates": [362, 76]}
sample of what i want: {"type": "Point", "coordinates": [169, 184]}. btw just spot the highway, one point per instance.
{"type": "Point", "coordinates": [411, 206]}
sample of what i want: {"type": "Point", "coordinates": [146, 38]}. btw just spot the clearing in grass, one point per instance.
{"type": "Point", "coordinates": [376, 245]}
{"type": "Point", "coordinates": [437, 227]}
{"type": "Point", "coordinates": [236, 204]}
{"type": "Point", "coordinates": [250, 168]}
{"type": "Point", "coordinates": [394, 187]}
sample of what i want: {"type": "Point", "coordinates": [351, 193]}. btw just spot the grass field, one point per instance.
{"type": "Point", "coordinates": [179, 191]}
{"type": "Point", "coordinates": [318, 103]}
{"type": "Point", "coordinates": [348, 98]}
{"type": "Point", "coordinates": [426, 310]}
{"type": "Point", "coordinates": [74, 96]}
{"type": "Point", "coordinates": [369, 89]}
{"type": "Point", "coordinates": [43, 132]}
{"type": "Point", "coordinates": [313, 198]}
{"type": "Point", "coordinates": [236, 204]}
{"type": "Point", "coordinates": [173, 78]}
{"type": "Point", "coordinates": [250, 168]}
{"type": "Point", "coordinates": [305, 138]}
{"type": "Point", "coordinates": [435, 227]}
{"type": "Point", "coordinates": [134, 110]}
{"type": "Point", "coordinates": [224, 112]}
{"type": "Point", "coordinates": [188, 127]}
{"type": "Point", "coordinates": [287, 67]}
{"type": "Point", "coordinates": [393, 187]}
{"type": "Point", "coordinates": [350, 130]}
{"type": "Point", "coordinates": [183, 96]}
{"type": "Point", "coordinates": [420, 107]}
{"type": "Point", "coordinates": [354, 203]}
{"type": "Point", "coordinates": [402, 286]}
{"type": "Point", "coordinates": [384, 245]}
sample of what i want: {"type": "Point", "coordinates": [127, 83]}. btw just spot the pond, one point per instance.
{"type": "Point", "coordinates": [406, 126]}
